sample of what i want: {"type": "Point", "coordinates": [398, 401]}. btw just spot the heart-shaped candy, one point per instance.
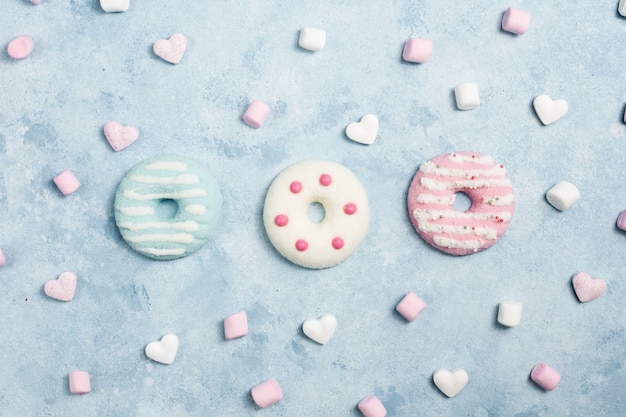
{"type": "Point", "coordinates": [114, 5]}
{"type": "Point", "coordinates": [172, 49]}
{"type": "Point", "coordinates": [364, 131]}
{"type": "Point", "coordinates": [587, 288]}
{"type": "Point", "coordinates": [320, 330]}
{"type": "Point", "coordinates": [548, 110]}
{"type": "Point", "coordinates": [119, 136]}
{"type": "Point", "coordinates": [450, 383]}
{"type": "Point", "coordinates": [62, 288]}
{"type": "Point", "coordinates": [163, 351]}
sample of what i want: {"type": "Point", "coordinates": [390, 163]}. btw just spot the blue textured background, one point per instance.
{"type": "Point", "coordinates": [89, 67]}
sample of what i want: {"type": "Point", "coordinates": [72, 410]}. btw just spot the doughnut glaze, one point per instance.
{"type": "Point", "coordinates": [432, 193]}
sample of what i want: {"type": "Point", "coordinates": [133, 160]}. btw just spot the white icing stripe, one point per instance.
{"type": "Point", "coordinates": [136, 211]}
{"type": "Point", "coordinates": [195, 209]}
{"type": "Point", "coordinates": [495, 171]}
{"type": "Point", "coordinates": [484, 232]}
{"type": "Point", "coordinates": [179, 179]}
{"type": "Point", "coordinates": [194, 192]}
{"type": "Point", "coordinates": [446, 242]}
{"type": "Point", "coordinates": [421, 214]}
{"type": "Point", "coordinates": [162, 252]}
{"type": "Point", "coordinates": [172, 238]}
{"type": "Point", "coordinates": [482, 160]}
{"type": "Point", "coordinates": [424, 198]}
{"type": "Point", "coordinates": [188, 226]}
{"type": "Point", "coordinates": [168, 166]}
{"type": "Point", "coordinates": [433, 184]}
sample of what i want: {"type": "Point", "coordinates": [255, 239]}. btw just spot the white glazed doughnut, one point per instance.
{"type": "Point", "coordinates": [291, 231]}
{"type": "Point", "coordinates": [184, 181]}
{"type": "Point", "coordinates": [432, 193]}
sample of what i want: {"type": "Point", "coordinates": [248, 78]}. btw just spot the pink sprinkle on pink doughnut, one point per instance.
{"type": "Point", "coordinates": [295, 187]}
{"type": "Point", "coordinates": [545, 376]}
{"type": "Point", "coordinates": [281, 220]}
{"type": "Point", "coordinates": [325, 180]}
{"type": "Point", "coordinates": [337, 243]}
{"type": "Point", "coordinates": [79, 382]}
{"type": "Point", "coordinates": [267, 393]}
{"type": "Point", "coordinates": [67, 182]}
{"type": "Point", "coordinates": [302, 245]}
{"type": "Point", "coordinates": [20, 47]}
{"type": "Point", "coordinates": [349, 209]}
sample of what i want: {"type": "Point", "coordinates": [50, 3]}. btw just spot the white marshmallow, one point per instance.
{"type": "Point", "coordinates": [621, 8]}
{"type": "Point", "coordinates": [312, 39]}
{"type": "Point", "coordinates": [510, 313]}
{"type": "Point", "coordinates": [563, 195]}
{"type": "Point", "coordinates": [114, 5]}
{"type": "Point", "coordinates": [467, 97]}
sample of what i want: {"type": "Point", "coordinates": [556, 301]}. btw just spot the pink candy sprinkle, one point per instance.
{"type": "Point", "coordinates": [417, 50]}
{"type": "Point", "coordinates": [337, 243]}
{"type": "Point", "coordinates": [295, 187]}
{"type": "Point", "coordinates": [411, 306]}
{"type": "Point", "coordinates": [267, 393]}
{"type": "Point", "coordinates": [349, 209]}
{"type": "Point", "coordinates": [35, 1]}
{"type": "Point", "coordinates": [3, 260]}
{"type": "Point", "coordinates": [515, 21]}
{"type": "Point", "coordinates": [371, 406]}
{"type": "Point", "coordinates": [256, 113]}
{"type": "Point", "coordinates": [302, 245]}
{"type": "Point", "coordinates": [236, 325]}
{"type": "Point", "coordinates": [325, 180]}
{"type": "Point", "coordinates": [67, 182]}
{"type": "Point", "coordinates": [20, 47]}
{"type": "Point", "coordinates": [79, 382]}
{"type": "Point", "coordinates": [545, 376]}
{"type": "Point", "coordinates": [281, 220]}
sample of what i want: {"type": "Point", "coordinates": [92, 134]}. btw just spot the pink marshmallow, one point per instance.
{"type": "Point", "coordinates": [236, 325]}
{"type": "Point", "coordinates": [267, 393]}
{"type": "Point", "coordinates": [67, 182]}
{"type": "Point", "coordinates": [515, 21]}
{"type": "Point", "coordinates": [3, 260]}
{"type": "Point", "coordinates": [417, 50]}
{"type": "Point", "coordinates": [545, 376]}
{"type": "Point", "coordinates": [621, 220]}
{"type": "Point", "coordinates": [256, 113]}
{"type": "Point", "coordinates": [371, 406]}
{"type": "Point", "coordinates": [20, 47]}
{"type": "Point", "coordinates": [79, 382]}
{"type": "Point", "coordinates": [411, 306]}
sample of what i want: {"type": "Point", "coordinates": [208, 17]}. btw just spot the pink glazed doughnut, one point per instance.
{"type": "Point", "coordinates": [432, 193]}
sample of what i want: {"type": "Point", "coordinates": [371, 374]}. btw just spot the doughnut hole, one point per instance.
{"type": "Point", "coordinates": [316, 212]}
{"type": "Point", "coordinates": [462, 202]}
{"type": "Point", "coordinates": [166, 209]}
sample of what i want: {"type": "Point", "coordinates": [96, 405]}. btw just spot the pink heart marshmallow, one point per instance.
{"type": "Point", "coordinates": [172, 49]}
{"type": "Point", "coordinates": [587, 288]}
{"type": "Point", "coordinates": [119, 136]}
{"type": "Point", "coordinates": [62, 288]}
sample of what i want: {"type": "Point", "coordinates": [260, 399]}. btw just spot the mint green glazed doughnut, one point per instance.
{"type": "Point", "coordinates": [186, 182]}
